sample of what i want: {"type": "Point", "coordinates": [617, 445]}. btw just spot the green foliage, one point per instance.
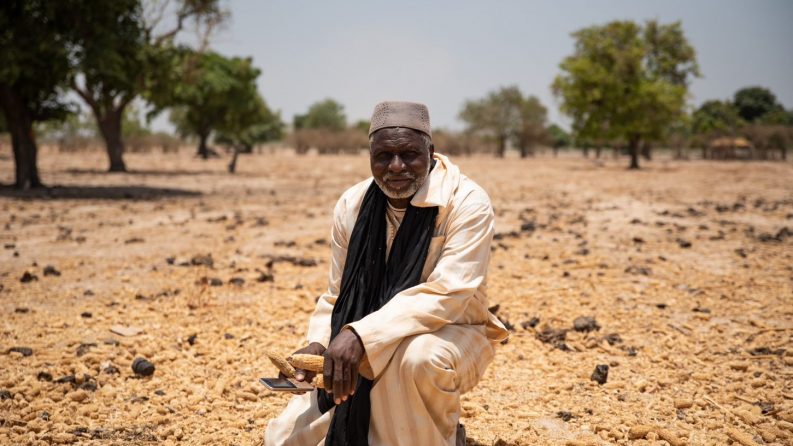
{"type": "Point", "coordinates": [559, 137]}
{"type": "Point", "coordinates": [327, 115]}
{"type": "Point", "coordinates": [258, 127]}
{"type": "Point", "coordinates": [362, 125]}
{"type": "Point", "coordinates": [716, 118]}
{"type": "Point", "coordinates": [210, 92]}
{"type": "Point", "coordinates": [754, 103]}
{"type": "Point", "coordinates": [505, 114]}
{"type": "Point", "coordinates": [626, 82]}
{"type": "Point", "coordinates": [36, 41]}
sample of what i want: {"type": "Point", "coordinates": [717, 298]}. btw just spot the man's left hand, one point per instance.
{"type": "Point", "coordinates": [342, 359]}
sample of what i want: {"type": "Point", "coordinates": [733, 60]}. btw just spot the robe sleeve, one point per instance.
{"type": "Point", "coordinates": [442, 299]}
{"type": "Point", "coordinates": [319, 325]}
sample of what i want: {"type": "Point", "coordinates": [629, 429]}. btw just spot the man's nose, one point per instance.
{"type": "Point", "coordinates": [396, 165]}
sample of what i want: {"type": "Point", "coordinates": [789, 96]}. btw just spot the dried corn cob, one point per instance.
{"type": "Point", "coordinates": [312, 363]}
{"type": "Point", "coordinates": [281, 363]}
{"type": "Point", "coordinates": [319, 383]}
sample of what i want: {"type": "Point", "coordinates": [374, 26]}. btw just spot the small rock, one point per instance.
{"type": "Point", "coordinates": [228, 336]}
{"type": "Point", "coordinates": [564, 415]}
{"type": "Point", "coordinates": [238, 281]}
{"type": "Point", "coordinates": [531, 323]}
{"type": "Point", "coordinates": [265, 277]}
{"type": "Point", "coordinates": [50, 270]}
{"type": "Point", "coordinates": [601, 374]}
{"type": "Point", "coordinates": [683, 243]}
{"type": "Point", "coordinates": [24, 351]}
{"type": "Point", "coordinates": [44, 376]}
{"type": "Point", "coordinates": [66, 379]}
{"type": "Point", "coordinates": [585, 324]}
{"type": "Point", "coordinates": [191, 339]}
{"type": "Point", "coordinates": [6, 395]}
{"type": "Point", "coordinates": [639, 270]}
{"type": "Point", "coordinates": [111, 370]}
{"type": "Point", "coordinates": [28, 277]}
{"type": "Point", "coordinates": [86, 314]}
{"type": "Point", "coordinates": [205, 260]}
{"type": "Point", "coordinates": [613, 338]}
{"type": "Point", "coordinates": [142, 367]}
{"type": "Point", "coordinates": [21, 310]}
{"type": "Point", "coordinates": [84, 348]}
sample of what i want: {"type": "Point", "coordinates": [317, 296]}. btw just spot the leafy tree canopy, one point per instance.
{"type": "Point", "coordinates": [753, 103]}
{"type": "Point", "coordinates": [327, 114]}
{"type": "Point", "coordinates": [625, 81]}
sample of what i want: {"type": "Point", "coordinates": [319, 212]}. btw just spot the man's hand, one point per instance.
{"type": "Point", "coordinates": [342, 358]}
{"type": "Point", "coordinates": [315, 348]}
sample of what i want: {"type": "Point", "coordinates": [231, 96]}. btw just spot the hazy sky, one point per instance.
{"type": "Point", "coordinates": [443, 52]}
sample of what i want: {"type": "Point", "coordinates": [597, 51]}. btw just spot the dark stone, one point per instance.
{"type": "Point", "coordinates": [89, 385]}
{"type": "Point", "coordinates": [111, 370]}
{"type": "Point", "coordinates": [632, 351]}
{"type": "Point", "coordinates": [66, 379]}
{"type": "Point", "coordinates": [662, 306]}
{"type": "Point", "coordinates": [528, 226]}
{"type": "Point", "coordinates": [205, 260]}
{"type": "Point", "coordinates": [228, 336]}
{"type": "Point", "coordinates": [638, 240]}
{"type": "Point", "coordinates": [601, 374]}
{"type": "Point", "coordinates": [159, 392]}
{"type": "Point", "coordinates": [44, 376]}
{"type": "Point", "coordinates": [5, 395]}
{"type": "Point", "coordinates": [21, 310]}
{"type": "Point", "coordinates": [585, 324]}
{"type": "Point", "coordinates": [84, 348]}
{"type": "Point", "coordinates": [701, 310]}
{"type": "Point", "coordinates": [265, 277]}
{"type": "Point", "coordinates": [766, 407]}
{"type": "Point", "coordinates": [142, 367]}
{"type": "Point", "coordinates": [531, 323]}
{"type": "Point", "coordinates": [28, 277]}
{"type": "Point", "coordinates": [564, 415]}
{"type": "Point", "coordinates": [613, 338]}
{"type": "Point", "coordinates": [50, 270]}
{"type": "Point", "coordinates": [238, 281]}
{"type": "Point", "coordinates": [24, 351]}
{"type": "Point", "coordinates": [45, 416]}
{"type": "Point", "coordinates": [683, 243]}
{"type": "Point", "coordinates": [86, 314]}
{"type": "Point", "coordinates": [133, 240]}
{"type": "Point", "coordinates": [554, 336]}
{"type": "Point", "coordinates": [191, 339]}
{"type": "Point", "coordinates": [639, 270]}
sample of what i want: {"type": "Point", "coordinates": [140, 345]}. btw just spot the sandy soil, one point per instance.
{"type": "Point", "coordinates": [686, 267]}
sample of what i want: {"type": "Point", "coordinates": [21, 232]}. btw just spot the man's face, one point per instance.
{"type": "Point", "coordinates": [400, 161]}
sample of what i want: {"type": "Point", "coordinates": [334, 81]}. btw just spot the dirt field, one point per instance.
{"type": "Point", "coordinates": [686, 267]}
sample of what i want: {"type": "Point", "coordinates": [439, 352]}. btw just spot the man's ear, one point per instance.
{"type": "Point", "coordinates": [432, 150]}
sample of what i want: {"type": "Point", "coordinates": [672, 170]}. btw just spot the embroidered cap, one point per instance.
{"type": "Point", "coordinates": [400, 114]}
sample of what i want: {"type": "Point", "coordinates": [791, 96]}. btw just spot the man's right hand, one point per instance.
{"type": "Point", "coordinates": [315, 348]}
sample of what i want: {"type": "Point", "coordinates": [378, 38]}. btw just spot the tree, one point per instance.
{"type": "Point", "coordinates": [327, 114]}
{"type": "Point", "coordinates": [715, 118]}
{"type": "Point", "coordinates": [559, 137]}
{"type": "Point", "coordinates": [119, 55]}
{"type": "Point", "coordinates": [35, 47]}
{"type": "Point", "coordinates": [753, 103]}
{"type": "Point", "coordinates": [531, 130]}
{"type": "Point", "coordinates": [259, 126]}
{"type": "Point", "coordinates": [626, 82]}
{"type": "Point", "coordinates": [497, 115]}
{"type": "Point", "coordinates": [210, 92]}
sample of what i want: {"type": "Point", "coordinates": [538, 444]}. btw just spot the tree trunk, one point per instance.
{"type": "Point", "coordinates": [586, 151]}
{"type": "Point", "coordinates": [647, 151]}
{"type": "Point", "coordinates": [19, 121]}
{"type": "Point", "coordinates": [233, 163]}
{"type": "Point", "coordinates": [597, 152]}
{"type": "Point", "coordinates": [110, 126]}
{"type": "Point", "coordinates": [633, 148]}
{"type": "Point", "coordinates": [502, 146]}
{"type": "Point", "coordinates": [203, 150]}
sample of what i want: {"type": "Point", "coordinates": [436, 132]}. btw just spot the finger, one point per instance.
{"type": "Point", "coordinates": [354, 384]}
{"type": "Point", "coordinates": [309, 376]}
{"type": "Point", "coordinates": [347, 381]}
{"type": "Point", "coordinates": [327, 373]}
{"type": "Point", "coordinates": [338, 381]}
{"type": "Point", "coordinates": [300, 375]}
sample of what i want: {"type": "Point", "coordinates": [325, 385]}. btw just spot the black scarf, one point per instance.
{"type": "Point", "coordinates": [367, 283]}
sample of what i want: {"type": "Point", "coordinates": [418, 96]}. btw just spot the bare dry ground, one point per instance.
{"type": "Point", "coordinates": [686, 268]}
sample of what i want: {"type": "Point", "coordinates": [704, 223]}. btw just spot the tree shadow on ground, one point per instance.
{"type": "Point", "coordinates": [96, 193]}
{"type": "Point", "coordinates": [156, 172]}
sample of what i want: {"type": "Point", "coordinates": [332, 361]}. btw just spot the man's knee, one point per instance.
{"type": "Point", "coordinates": [425, 357]}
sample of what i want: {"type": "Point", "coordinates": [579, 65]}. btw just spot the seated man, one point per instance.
{"type": "Point", "coordinates": [405, 318]}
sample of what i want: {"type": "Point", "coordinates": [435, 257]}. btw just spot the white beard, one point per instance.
{"type": "Point", "coordinates": [407, 193]}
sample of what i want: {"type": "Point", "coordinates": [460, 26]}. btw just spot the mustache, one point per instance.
{"type": "Point", "coordinates": [405, 176]}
